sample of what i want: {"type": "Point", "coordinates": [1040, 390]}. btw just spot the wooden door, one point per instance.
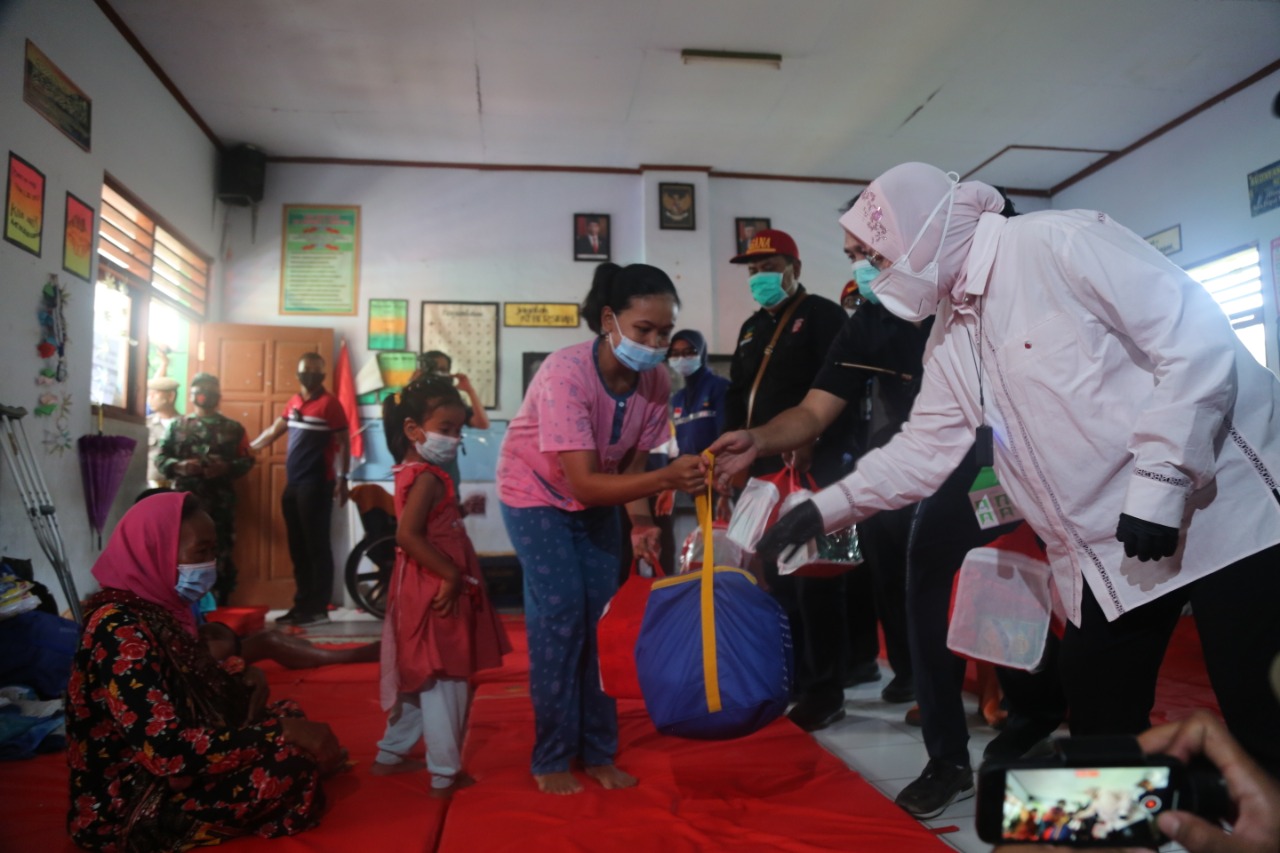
{"type": "Point", "coordinates": [258, 369]}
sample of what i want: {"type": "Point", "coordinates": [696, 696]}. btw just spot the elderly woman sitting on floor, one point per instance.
{"type": "Point", "coordinates": [169, 749]}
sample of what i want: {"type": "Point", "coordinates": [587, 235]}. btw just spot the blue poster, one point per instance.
{"type": "Point", "coordinates": [1264, 189]}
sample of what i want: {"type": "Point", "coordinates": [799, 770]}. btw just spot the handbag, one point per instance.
{"type": "Point", "coordinates": [617, 631]}
{"type": "Point", "coordinates": [714, 656]}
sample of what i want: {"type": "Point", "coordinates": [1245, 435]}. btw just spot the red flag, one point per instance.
{"type": "Point", "coordinates": [345, 385]}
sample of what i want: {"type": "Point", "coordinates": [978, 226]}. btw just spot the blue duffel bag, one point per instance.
{"type": "Point", "coordinates": [714, 654]}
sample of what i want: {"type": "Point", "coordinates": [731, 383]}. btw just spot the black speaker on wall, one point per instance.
{"type": "Point", "coordinates": [242, 175]}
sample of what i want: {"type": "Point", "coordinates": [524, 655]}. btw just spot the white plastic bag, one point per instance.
{"type": "Point", "coordinates": [825, 557]}
{"type": "Point", "coordinates": [751, 513]}
{"type": "Point", "coordinates": [1003, 608]}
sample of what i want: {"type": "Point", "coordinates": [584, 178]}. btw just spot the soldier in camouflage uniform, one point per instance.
{"type": "Point", "coordinates": [202, 453]}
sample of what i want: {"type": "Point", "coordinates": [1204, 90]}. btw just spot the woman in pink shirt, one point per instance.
{"type": "Point", "coordinates": [573, 454]}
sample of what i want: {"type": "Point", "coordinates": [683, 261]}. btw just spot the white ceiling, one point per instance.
{"type": "Point", "coordinates": [864, 84]}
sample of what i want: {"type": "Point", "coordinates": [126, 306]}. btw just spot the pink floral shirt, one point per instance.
{"type": "Point", "coordinates": [568, 407]}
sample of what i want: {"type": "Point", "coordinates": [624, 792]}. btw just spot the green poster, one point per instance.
{"type": "Point", "coordinates": [320, 259]}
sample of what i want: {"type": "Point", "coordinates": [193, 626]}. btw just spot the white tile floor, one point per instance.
{"type": "Point", "coordinates": [874, 741]}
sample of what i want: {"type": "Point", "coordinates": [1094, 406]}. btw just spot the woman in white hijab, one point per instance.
{"type": "Point", "coordinates": [1124, 420]}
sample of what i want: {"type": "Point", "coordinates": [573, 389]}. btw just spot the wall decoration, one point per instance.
{"type": "Point", "coordinates": [745, 227]}
{"type": "Point", "coordinates": [591, 237]}
{"type": "Point", "coordinates": [54, 400]}
{"type": "Point", "coordinates": [1168, 241]}
{"type": "Point", "coordinates": [1264, 189]}
{"type": "Point", "coordinates": [24, 205]}
{"type": "Point", "coordinates": [675, 207]}
{"type": "Point", "coordinates": [320, 259]}
{"type": "Point", "coordinates": [77, 238]}
{"type": "Point", "coordinates": [1275, 268]}
{"type": "Point", "coordinates": [388, 324]}
{"type": "Point", "coordinates": [468, 333]}
{"type": "Point", "coordinates": [540, 315]}
{"type": "Point", "coordinates": [530, 362]}
{"type": "Point", "coordinates": [52, 94]}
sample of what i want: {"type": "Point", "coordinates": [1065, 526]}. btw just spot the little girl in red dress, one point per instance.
{"type": "Point", "coordinates": [440, 627]}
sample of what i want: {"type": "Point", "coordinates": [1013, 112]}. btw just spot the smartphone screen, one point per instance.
{"type": "Point", "coordinates": [1081, 806]}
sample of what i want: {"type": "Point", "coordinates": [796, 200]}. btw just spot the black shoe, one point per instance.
{"type": "Point", "coordinates": [812, 714]}
{"type": "Point", "coordinates": [1020, 738]}
{"type": "Point", "coordinates": [863, 673]}
{"type": "Point", "coordinates": [303, 620]}
{"type": "Point", "coordinates": [941, 784]}
{"type": "Point", "coordinates": [899, 690]}
{"type": "Point", "coordinates": [289, 617]}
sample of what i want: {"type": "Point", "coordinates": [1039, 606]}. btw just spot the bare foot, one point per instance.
{"type": "Point", "coordinates": [462, 780]}
{"type": "Point", "coordinates": [406, 766]}
{"type": "Point", "coordinates": [558, 783]}
{"type": "Point", "coordinates": [611, 777]}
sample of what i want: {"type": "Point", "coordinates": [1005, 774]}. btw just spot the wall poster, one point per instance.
{"type": "Point", "coordinates": [320, 259]}
{"type": "Point", "coordinates": [77, 239]}
{"type": "Point", "coordinates": [24, 205]}
{"type": "Point", "coordinates": [388, 324]}
{"type": "Point", "coordinates": [52, 94]}
{"type": "Point", "coordinates": [468, 333]}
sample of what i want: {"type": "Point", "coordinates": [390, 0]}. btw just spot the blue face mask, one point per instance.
{"type": "Point", "coordinates": [685, 365]}
{"type": "Point", "coordinates": [195, 579]}
{"type": "Point", "coordinates": [864, 273]}
{"type": "Point", "coordinates": [635, 355]}
{"type": "Point", "coordinates": [766, 288]}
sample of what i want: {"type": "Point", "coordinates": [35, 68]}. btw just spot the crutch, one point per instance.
{"type": "Point", "coordinates": [37, 500]}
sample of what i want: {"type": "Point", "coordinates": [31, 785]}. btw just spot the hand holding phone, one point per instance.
{"type": "Point", "coordinates": [1093, 792]}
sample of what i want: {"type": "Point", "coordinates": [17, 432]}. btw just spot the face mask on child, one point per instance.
{"type": "Point", "coordinates": [438, 449]}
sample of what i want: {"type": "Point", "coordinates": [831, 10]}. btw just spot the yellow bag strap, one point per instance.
{"type": "Point", "coordinates": [710, 667]}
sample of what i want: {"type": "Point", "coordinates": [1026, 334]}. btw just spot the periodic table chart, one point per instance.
{"type": "Point", "coordinates": [468, 333]}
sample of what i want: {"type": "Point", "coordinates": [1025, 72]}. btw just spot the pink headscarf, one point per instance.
{"type": "Point", "coordinates": [142, 555]}
{"type": "Point", "coordinates": [892, 210]}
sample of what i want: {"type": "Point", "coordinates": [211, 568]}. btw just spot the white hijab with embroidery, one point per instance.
{"type": "Point", "coordinates": [892, 210]}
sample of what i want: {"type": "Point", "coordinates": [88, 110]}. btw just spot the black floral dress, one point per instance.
{"type": "Point", "coordinates": [162, 756]}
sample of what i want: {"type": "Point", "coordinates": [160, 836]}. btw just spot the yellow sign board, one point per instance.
{"type": "Point", "coordinates": [543, 315]}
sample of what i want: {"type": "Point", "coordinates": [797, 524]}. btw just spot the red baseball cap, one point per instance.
{"type": "Point", "coordinates": [768, 242]}
{"type": "Point", "coordinates": [850, 289]}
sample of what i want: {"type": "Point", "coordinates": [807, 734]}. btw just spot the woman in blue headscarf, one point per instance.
{"type": "Point", "coordinates": [697, 409]}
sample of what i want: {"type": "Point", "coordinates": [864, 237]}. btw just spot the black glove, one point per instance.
{"type": "Point", "coordinates": [790, 531]}
{"type": "Point", "coordinates": [1146, 540]}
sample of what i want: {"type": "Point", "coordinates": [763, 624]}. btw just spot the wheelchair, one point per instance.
{"type": "Point", "coordinates": [368, 569]}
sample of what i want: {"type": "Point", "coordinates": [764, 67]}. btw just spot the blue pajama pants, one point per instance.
{"type": "Point", "coordinates": [569, 561]}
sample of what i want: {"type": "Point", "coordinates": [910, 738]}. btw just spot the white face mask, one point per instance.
{"type": "Point", "coordinates": [909, 294]}
{"type": "Point", "coordinates": [438, 449]}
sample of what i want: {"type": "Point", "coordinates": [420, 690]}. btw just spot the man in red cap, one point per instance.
{"type": "Point", "coordinates": [780, 350]}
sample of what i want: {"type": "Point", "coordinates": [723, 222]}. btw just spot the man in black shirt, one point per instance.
{"type": "Point", "coordinates": [780, 350]}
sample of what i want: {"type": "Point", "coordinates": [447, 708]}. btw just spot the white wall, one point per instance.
{"type": "Point", "coordinates": [1196, 176]}
{"type": "Point", "coordinates": [145, 140]}
{"type": "Point", "coordinates": [498, 236]}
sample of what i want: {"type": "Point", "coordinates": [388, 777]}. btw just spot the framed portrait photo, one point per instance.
{"type": "Point", "coordinates": [745, 227]}
{"type": "Point", "coordinates": [591, 237]}
{"type": "Point", "coordinates": [675, 207]}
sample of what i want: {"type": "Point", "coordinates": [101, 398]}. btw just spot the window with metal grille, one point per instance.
{"type": "Point", "coordinates": [1234, 280]}
{"type": "Point", "coordinates": [152, 289]}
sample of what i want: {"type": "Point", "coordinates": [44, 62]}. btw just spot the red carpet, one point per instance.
{"type": "Point", "coordinates": [776, 790]}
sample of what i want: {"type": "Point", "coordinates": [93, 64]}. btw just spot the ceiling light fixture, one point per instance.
{"type": "Point", "coordinates": [731, 57]}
